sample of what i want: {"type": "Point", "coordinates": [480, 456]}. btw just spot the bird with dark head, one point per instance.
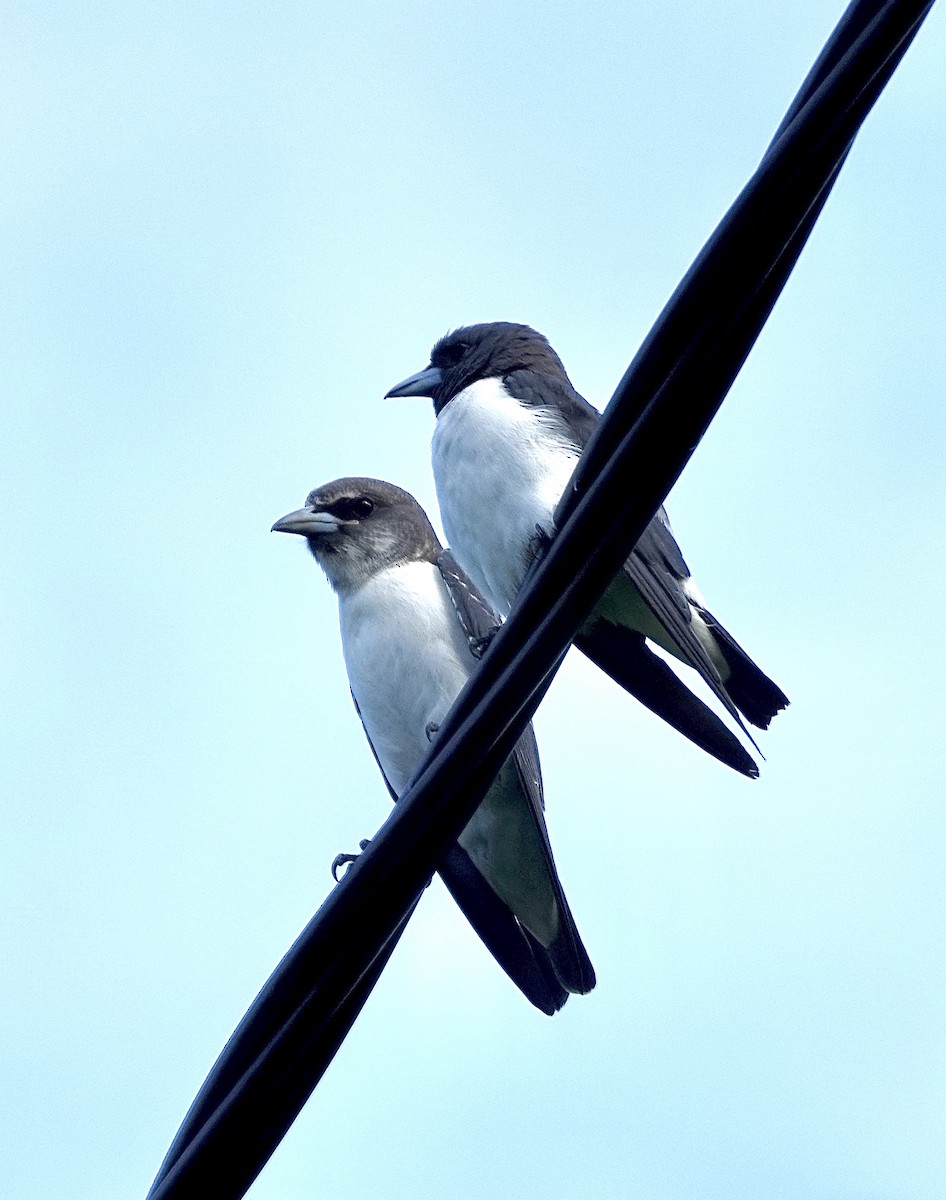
{"type": "Point", "coordinates": [411, 621]}
{"type": "Point", "coordinates": [510, 431]}
{"type": "Point", "coordinates": [478, 352]}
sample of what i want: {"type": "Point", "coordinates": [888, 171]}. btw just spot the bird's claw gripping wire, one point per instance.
{"type": "Point", "coordinates": [539, 544]}
{"type": "Point", "coordinates": [479, 645]}
{"type": "Point", "coordinates": [538, 548]}
{"type": "Point", "coordinates": [345, 860]}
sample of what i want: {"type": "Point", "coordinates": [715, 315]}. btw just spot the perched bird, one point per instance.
{"type": "Point", "coordinates": [410, 622]}
{"type": "Point", "coordinates": [510, 430]}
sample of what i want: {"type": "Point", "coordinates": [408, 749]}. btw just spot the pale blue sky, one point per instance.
{"type": "Point", "coordinates": [226, 231]}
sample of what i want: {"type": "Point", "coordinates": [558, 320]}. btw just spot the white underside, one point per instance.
{"type": "Point", "coordinates": [500, 469]}
{"type": "Point", "coordinates": [407, 660]}
{"type": "Point", "coordinates": [405, 654]}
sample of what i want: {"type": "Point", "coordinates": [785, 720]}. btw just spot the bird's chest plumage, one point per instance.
{"type": "Point", "coordinates": [407, 658]}
{"type": "Point", "coordinates": [500, 468]}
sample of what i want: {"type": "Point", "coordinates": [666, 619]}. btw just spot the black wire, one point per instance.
{"type": "Point", "coordinates": [741, 270]}
{"type": "Point", "coordinates": [660, 410]}
{"type": "Point", "coordinates": [259, 1043]}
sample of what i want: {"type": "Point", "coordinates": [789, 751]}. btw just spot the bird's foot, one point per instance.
{"type": "Point", "coordinates": [430, 729]}
{"type": "Point", "coordinates": [479, 645]}
{"type": "Point", "coordinates": [345, 860]}
{"type": "Point", "coordinates": [539, 544]}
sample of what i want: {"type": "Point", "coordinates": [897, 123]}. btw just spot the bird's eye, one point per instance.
{"type": "Point", "coordinates": [450, 355]}
{"type": "Point", "coordinates": [352, 508]}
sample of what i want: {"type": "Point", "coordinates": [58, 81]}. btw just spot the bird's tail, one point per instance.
{"type": "Point", "coordinates": [568, 956]}
{"type": "Point", "coordinates": [623, 654]}
{"type": "Point", "coordinates": [756, 696]}
{"type": "Point", "coordinates": [527, 963]}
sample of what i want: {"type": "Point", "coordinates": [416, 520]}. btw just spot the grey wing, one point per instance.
{"type": "Point", "coordinates": [659, 538]}
{"type": "Point", "coordinates": [478, 620]}
{"type": "Point", "coordinates": [525, 961]}
{"type": "Point", "coordinates": [571, 962]}
{"type": "Point", "coordinates": [658, 570]}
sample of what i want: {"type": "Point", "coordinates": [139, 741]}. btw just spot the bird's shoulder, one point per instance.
{"type": "Point", "coordinates": [536, 390]}
{"type": "Point", "coordinates": [477, 618]}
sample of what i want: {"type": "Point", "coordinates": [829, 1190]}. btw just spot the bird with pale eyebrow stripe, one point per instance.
{"type": "Point", "coordinates": [411, 623]}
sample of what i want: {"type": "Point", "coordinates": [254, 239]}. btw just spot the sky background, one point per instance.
{"type": "Point", "coordinates": [226, 231]}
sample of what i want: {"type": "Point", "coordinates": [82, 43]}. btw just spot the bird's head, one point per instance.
{"type": "Point", "coordinates": [357, 526]}
{"type": "Point", "coordinates": [476, 352]}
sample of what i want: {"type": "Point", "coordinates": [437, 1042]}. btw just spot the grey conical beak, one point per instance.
{"type": "Point", "coordinates": [424, 383]}
{"type": "Point", "coordinates": [306, 521]}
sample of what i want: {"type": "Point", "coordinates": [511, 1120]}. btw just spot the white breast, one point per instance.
{"type": "Point", "coordinates": [500, 468]}
{"type": "Point", "coordinates": [407, 659]}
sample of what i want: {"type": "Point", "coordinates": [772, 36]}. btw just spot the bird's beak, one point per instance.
{"type": "Point", "coordinates": [307, 521]}
{"type": "Point", "coordinates": [424, 383]}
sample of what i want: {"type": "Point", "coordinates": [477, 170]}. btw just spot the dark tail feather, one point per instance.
{"type": "Point", "coordinates": [566, 955]}
{"type": "Point", "coordinates": [569, 958]}
{"type": "Point", "coordinates": [523, 959]}
{"type": "Point", "coordinates": [752, 692]}
{"type": "Point", "coordinates": [622, 654]}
